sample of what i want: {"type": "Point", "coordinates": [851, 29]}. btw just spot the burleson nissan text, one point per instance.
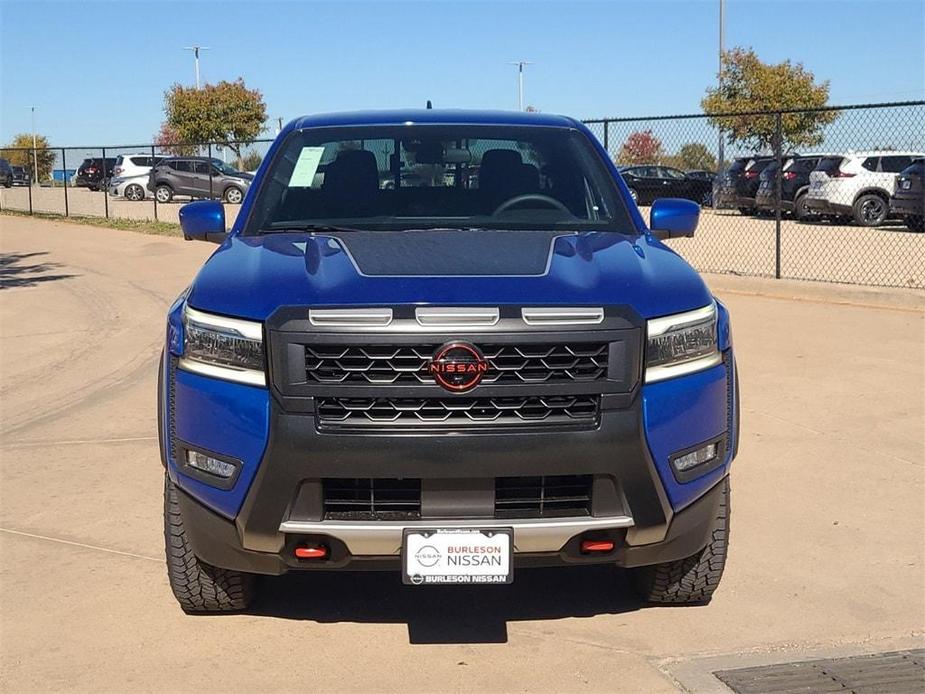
{"type": "Point", "coordinates": [445, 345]}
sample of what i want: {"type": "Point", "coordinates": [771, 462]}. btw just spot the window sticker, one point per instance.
{"type": "Point", "coordinates": [304, 172]}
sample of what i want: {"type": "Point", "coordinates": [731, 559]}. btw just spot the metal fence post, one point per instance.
{"type": "Point", "coordinates": [607, 137]}
{"type": "Point", "coordinates": [211, 193]}
{"type": "Point", "coordinates": [64, 167]}
{"type": "Point", "coordinates": [778, 153]}
{"type": "Point", "coordinates": [105, 187]}
{"type": "Point", "coordinates": [153, 163]}
{"type": "Point", "coordinates": [32, 174]}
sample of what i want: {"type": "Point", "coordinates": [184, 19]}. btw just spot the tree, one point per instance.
{"type": "Point", "coordinates": [169, 140]}
{"type": "Point", "coordinates": [693, 155]}
{"type": "Point", "coordinates": [641, 147]}
{"type": "Point", "coordinates": [19, 153]}
{"type": "Point", "coordinates": [227, 113]}
{"type": "Point", "coordinates": [747, 84]}
{"type": "Point", "coordinates": [250, 161]}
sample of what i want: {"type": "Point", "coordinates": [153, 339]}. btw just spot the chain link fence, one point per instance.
{"type": "Point", "coordinates": [755, 220]}
{"type": "Point", "coordinates": [767, 205]}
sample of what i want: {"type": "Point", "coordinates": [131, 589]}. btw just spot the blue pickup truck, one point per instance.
{"type": "Point", "coordinates": [444, 344]}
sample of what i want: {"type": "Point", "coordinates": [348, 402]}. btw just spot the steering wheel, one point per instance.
{"type": "Point", "coordinates": [518, 200]}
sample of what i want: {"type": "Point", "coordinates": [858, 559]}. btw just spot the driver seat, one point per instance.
{"type": "Point", "coordinates": [503, 175]}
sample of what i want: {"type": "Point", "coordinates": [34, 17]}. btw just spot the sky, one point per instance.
{"type": "Point", "coordinates": [97, 71]}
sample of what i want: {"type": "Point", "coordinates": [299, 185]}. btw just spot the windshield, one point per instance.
{"type": "Point", "coordinates": [223, 167]}
{"type": "Point", "coordinates": [438, 176]}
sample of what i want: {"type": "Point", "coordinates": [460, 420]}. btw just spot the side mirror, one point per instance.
{"type": "Point", "coordinates": [203, 221]}
{"type": "Point", "coordinates": [672, 218]}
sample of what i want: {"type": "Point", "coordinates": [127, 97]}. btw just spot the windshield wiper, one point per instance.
{"type": "Point", "coordinates": [282, 228]}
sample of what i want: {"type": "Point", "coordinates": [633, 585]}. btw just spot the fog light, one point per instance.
{"type": "Point", "coordinates": [206, 463]}
{"type": "Point", "coordinates": [685, 462]}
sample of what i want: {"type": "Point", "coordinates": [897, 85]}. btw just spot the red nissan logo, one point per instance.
{"type": "Point", "coordinates": [458, 366]}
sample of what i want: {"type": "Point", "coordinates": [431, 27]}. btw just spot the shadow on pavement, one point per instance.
{"type": "Point", "coordinates": [14, 272]}
{"type": "Point", "coordinates": [447, 614]}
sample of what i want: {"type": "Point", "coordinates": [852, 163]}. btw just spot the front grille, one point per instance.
{"type": "Point", "coordinates": [381, 499]}
{"type": "Point", "coordinates": [543, 497]}
{"type": "Point", "coordinates": [459, 412]}
{"type": "Point", "coordinates": [372, 499]}
{"type": "Point", "coordinates": [407, 364]}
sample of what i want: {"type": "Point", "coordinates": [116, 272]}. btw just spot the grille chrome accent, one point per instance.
{"type": "Point", "coordinates": [372, 499]}
{"type": "Point", "coordinates": [407, 364]}
{"type": "Point", "coordinates": [555, 315]}
{"type": "Point", "coordinates": [458, 412]}
{"type": "Point", "coordinates": [350, 317]}
{"type": "Point", "coordinates": [461, 316]}
{"type": "Point", "coordinates": [543, 497]}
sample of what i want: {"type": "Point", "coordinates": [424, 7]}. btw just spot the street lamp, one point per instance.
{"type": "Point", "coordinates": [520, 81]}
{"type": "Point", "coordinates": [35, 156]}
{"type": "Point", "coordinates": [195, 50]}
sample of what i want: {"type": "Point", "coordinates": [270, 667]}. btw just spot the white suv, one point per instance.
{"type": "Point", "coordinates": [857, 185]}
{"type": "Point", "coordinates": [130, 175]}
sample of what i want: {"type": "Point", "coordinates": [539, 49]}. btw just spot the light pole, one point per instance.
{"type": "Point", "coordinates": [35, 156]}
{"type": "Point", "coordinates": [520, 81]}
{"type": "Point", "coordinates": [722, 42]}
{"type": "Point", "coordinates": [195, 50]}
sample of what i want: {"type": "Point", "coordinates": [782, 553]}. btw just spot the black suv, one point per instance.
{"type": "Point", "coordinates": [6, 174]}
{"type": "Point", "coordinates": [94, 173]}
{"type": "Point", "coordinates": [194, 176]}
{"type": "Point", "coordinates": [724, 186]}
{"type": "Point", "coordinates": [793, 186]}
{"type": "Point", "coordinates": [909, 197]}
{"type": "Point", "coordinates": [747, 182]}
{"type": "Point", "coordinates": [648, 182]}
{"type": "Point", "coordinates": [21, 176]}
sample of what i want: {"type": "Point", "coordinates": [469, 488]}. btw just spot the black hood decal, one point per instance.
{"type": "Point", "coordinates": [448, 253]}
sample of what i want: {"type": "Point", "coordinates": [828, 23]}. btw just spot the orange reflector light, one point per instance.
{"type": "Point", "coordinates": [311, 552]}
{"type": "Point", "coordinates": [596, 546]}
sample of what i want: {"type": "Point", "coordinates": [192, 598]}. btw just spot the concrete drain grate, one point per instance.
{"type": "Point", "coordinates": [884, 673]}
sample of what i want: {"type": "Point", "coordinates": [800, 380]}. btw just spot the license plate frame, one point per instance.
{"type": "Point", "coordinates": [427, 559]}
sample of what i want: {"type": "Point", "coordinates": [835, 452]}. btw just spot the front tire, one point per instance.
{"type": "Point", "coordinates": [870, 210]}
{"type": "Point", "coordinates": [134, 192]}
{"type": "Point", "coordinates": [634, 195]}
{"type": "Point", "coordinates": [694, 579]}
{"type": "Point", "coordinates": [197, 586]}
{"type": "Point", "coordinates": [799, 208]}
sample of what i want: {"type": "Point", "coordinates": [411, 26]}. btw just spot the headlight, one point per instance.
{"type": "Point", "coordinates": [228, 348]}
{"type": "Point", "coordinates": [681, 344]}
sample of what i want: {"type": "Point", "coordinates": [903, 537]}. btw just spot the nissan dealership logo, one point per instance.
{"type": "Point", "coordinates": [458, 366]}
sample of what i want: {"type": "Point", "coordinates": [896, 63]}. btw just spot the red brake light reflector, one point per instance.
{"type": "Point", "coordinates": [319, 552]}
{"type": "Point", "coordinates": [597, 545]}
{"type": "Point", "coordinates": [789, 175]}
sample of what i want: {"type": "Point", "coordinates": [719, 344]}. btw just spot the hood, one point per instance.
{"type": "Point", "coordinates": [251, 276]}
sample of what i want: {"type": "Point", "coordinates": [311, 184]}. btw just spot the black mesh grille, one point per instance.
{"type": "Point", "coordinates": [543, 497]}
{"type": "Point", "coordinates": [372, 499]}
{"type": "Point", "coordinates": [458, 412]}
{"type": "Point", "coordinates": [407, 364]}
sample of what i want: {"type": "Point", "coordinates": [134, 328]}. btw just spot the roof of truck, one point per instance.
{"type": "Point", "coordinates": [431, 117]}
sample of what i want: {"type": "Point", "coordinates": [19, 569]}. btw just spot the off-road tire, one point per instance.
{"type": "Point", "coordinates": [694, 579]}
{"type": "Point", "coordinates": [197, 586]}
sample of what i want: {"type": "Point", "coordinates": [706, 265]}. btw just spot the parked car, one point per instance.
{"type": "Point", "coordinates": [326, 402]}
{"type": "Point", "coordinates": [747, 182]}
{"type": "Point", "coordinates": [134, 188]}
{"type": "Point", "coordinates": [701, 173]}
{"type": "Point", "coordinates": [21, 176]}
{"type": "Point", "coordinates": [725, 196]}
{"type": "Point", "coordinates": [648, 182]}
{"type": "Point", "coordinates": [857, 185]}
{"type": "Point", "coordinates": [6, 173]}
{"type": "Point", "coordinates": [794, 185]}
{"type": "Point", "coordinates": [129, 165]}
{"type": "Point", "coordinates": [908, 199]}
{"type": "Point", "coordinates": [94, 173]}
{"type": "Point", "coordinates": [197, 177]}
